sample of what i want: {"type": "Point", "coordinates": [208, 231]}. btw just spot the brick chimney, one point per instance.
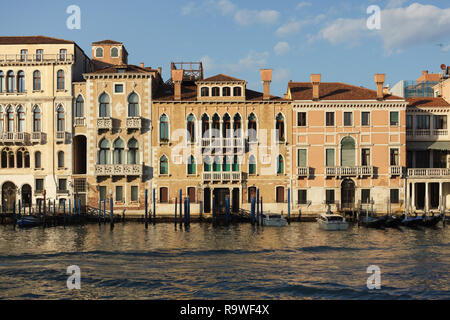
{"type": "Point", "coordinates": [266, 77]}
{"type": "Point", "coordinates": [177, 78]}
{"type": "Point", "coordinates": [142, 65]}
{"type": "Point", "coordinates": [315, 81]}
{"type": "Point", "coordinates": [379, 80]}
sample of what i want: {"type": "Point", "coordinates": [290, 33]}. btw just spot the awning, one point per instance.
{"type": "Point", "coordinates": [428, 145]}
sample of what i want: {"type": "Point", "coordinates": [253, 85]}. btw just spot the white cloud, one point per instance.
{"type": "Point", "coordinates": [303, 4]}
{"type": "Point", "coordinates": [281, 75]}
{"type": "Point", "coordinates": [246, 17]}
{"type": "Point", "coordinates": [291, 27]}
{"type": "Point", "coordinates": [188, 9]}
{"type": "Point", "coordinates": [401, 28]}
{"type": "Point", "coordinates": [226, 6]}
{"type": "Point", "coordinates": [254, 60]}
{"type": "Point", "coordinates": [281, 48]}
{"type": "Point", "coordinates": [395, 4]}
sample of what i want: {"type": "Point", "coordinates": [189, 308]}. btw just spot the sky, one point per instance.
{"type": "Point", "coordinates": [293, 37]}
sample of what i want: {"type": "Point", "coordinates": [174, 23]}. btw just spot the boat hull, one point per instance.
{"type": "Point", "coordinates": [430, 221]}
{"type": "Point", "coordinates": [28, 222]}
{"type": "Point", "coordinates": [333, 226]}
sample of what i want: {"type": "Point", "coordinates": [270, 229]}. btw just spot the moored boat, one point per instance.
{"type": "Point", "coordinates": [411, 222]}
{"type": "Point", "coordinates": [392, 222]}
{"type": "Point", "coordinates": [274, 220]}
{"type": "Point", "coordinates": [332, 222]}
{"type": "Point", "coordinates": [28, 222]}
{"type": "Point", "coordinates": [372, 222]}
{"type": "Point", "coordinates": [430, 221]}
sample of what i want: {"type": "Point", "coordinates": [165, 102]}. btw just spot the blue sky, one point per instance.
{"type": "Point", "coordinates": [294, 37]}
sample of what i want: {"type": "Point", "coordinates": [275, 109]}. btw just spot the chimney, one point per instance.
{"type": "Point", "coordinates": [177, 78]}
{"type": "Point", "coordinates": [379, 80]}
{"type": "Point", "coordinates": [315, 81]}
{"type": "Point", "coordinates": [266, 77]}
{"type": "Point", "coordinates": [425, 72]}
{"type": "Point", "coordinates": [142, 65]}
{"type": "Point", "coordinates": [160, 70]}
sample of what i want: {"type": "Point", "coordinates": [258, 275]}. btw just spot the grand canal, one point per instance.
{"type": "Point", "coordinates": [236, 262]}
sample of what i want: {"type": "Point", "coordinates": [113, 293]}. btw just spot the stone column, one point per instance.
{"type": "Point", "coordinates": [413, 195]}
{"type": "Point", "coordinates": [427, 200]}
{"type": "Point", "coordinates": [440, 196]}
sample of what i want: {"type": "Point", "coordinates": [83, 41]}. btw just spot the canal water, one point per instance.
{"type": "Point", "coordinates": [236, 262]}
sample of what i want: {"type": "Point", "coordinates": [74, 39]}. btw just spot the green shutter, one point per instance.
{"type": "Point", "coordinates": [302, 161]}
{"type": "Point", "coordinates": [330, 158]}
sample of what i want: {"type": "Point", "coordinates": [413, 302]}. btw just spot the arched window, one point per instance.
{"type": "Point", "coordinates": [114, 52]}
{"type": "Point", "coordinates": [79, 107]}
{"type": "Point", "coordinates": [216, 125]}
{"type": "Point", "coordinates": [21, 81]}
{"type": "Point", "coordinates": [204, 92]}
{"type": "Point", "coordinates": [104, 152]}
{"type": "Point", "coordinates": [5, 158]}
{"type": "Point", "coordinates": [217, 164]}
{"type": "Point", "coordinates": [26, 155]}
{"type": "Point", "coordinates": [163, 165]}
{"type": "Point", "coordinates": [215, 91]}
{"type": "Point", "coordinates": [21, 119]}
{"type": "Point", "coordinates": [235, 164]}
{"type": "Point", "coordinates": [191, 165]}
{"type": "Point", "coordinates": [37, 160]}
{"type": "Point", "coordinates": [226, 91]}
{"type": "Point", "coordinates": [280, 165]}
{"type": "Point", "coordinates": [37, 80]}
{"type": "Point", "coordinates": [191, 128]}
{"type": "Point", "coordinates": [60, 159]}
{"type": "Point", "coordinates": [133, 152]}
{"type": "Point", "coordinates": [237, 91]}
{"type": "Point", "coordinates": [226, 128]}
{"type": "Point", "coordinates": [133, 105]}
{"type": "Point", "coordinates": [119, 152]}
{"type": "Point", "coordinates": [348, 152]}
{"type": "Point", "coordinates": [226, 164]}
{"type": "Point", "coordinates": [104, 106]}
{"type": "Point", "coordinates": [207, 164]}
{"type": "Point", "coordinates": [205, 127]}
{"type": "Point", "coordinates": [99, 53]}
{"type": "Point", "coordinates": [164, 128]}
{"type": "Point", "coordinates": [37, 119]}
{"type": "Point", "coordinates": [280, 127]}
{"type": "Point", "coordinates": [252, 165]}
{"type": "Point", "coordinates": [61, 121]}
{"type": "Point", "coordinates": [252, 128]}
{"type": "Point", "coordinates": [19, 159]}
{"type": "Point", "coordinates": [237, 126]}
{"type": "Point", "coordinates": [10, 159]}
{"type": "Point", "coordinates": [1, 119]}
{"type": "Point", "coordinates": [2, 81]}
{"type": "Point", "coordinates": [11, 82]}
{"type": "Point", "coordinates": [10, 119]}
{"type": "Point", "coordinates": [60, 81]}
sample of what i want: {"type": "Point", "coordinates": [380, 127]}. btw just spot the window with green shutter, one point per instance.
{"type": "Point", "coordinates": [302, 159]}
{"type": "Point", "coordinates": [394, 118]}
{"type": "Point", "coordinates": [330, 158]}
{"type": "Point", "coordinates": [252, 165]}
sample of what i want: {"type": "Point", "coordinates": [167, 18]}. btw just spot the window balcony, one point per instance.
{"type": "Point", "coordinates": [304, 172]}
{"type": "Point", "coordinates": [134, 123]}
{"type": "Point", "coordinates": [13, 92]}
{"type": "Point", "coordinates": [118, 170]}
{"type": "Point", "coordinates": [340, 172]}
{"type": "Point", "coordinates": [104, 123]}
{"type": "Point", "coordinates": [80, 122]}
{"type": "Point", "coordinates": [37, 137]}
{"type": "Point", "coordinates": [61, 191]}
{"type": "Point", "coordinates": [15, 137]}
{"type": "Point", "coordinates": [395, 171]}
{"type": "Point", "coordinates": [429, 173]}
{"type": "Point", "coordinates": [222, 176]}
{"type": "Point", "coordinates": [61, 137]}
{"type": "Point", "coordinates": [19, 59]}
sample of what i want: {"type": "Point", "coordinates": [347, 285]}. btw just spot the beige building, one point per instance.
{"type": "Point", "coordinates": [36, 75]}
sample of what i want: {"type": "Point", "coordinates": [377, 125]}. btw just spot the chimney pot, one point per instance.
{"type": "Point", "coordinates": [266, 77]}
{"type": "Point", "coordinates": [379, 80]}
{"type": "Point", "coordinates": [142, 65]}
{"type": "Point", "coordinates": [315, 81]}
{"type": "Point", "coordinates": [177, 78]}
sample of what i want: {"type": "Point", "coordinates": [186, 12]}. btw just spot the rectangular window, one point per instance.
{"type": "Point", "coordinates": [191, 194]}
{"type": "Point", "coordinates": [62, 184]}
{"type": "Point", "coordinates": [23, 55]}
{"type": "Point", "coordinates": [409, 122]}
{"type": "Point", "coordinates": [39, 54]}
{"type": "Point", "coordinates": [423, 122]}
{"type": "Point", "coordinates": [365, 157]}
{"type": "Point", "coordinates": [395, 158]}
{"type": "Point", "coordinates": [440, 122]}
{"type": "Point", "coordinates": [118, 88]}
{"type": "Point", "coordinates": [330, 119]}
{"type": "Point", "coordinates": [302, 197]}
{"type": "Point", "coordinates": [394, 118]}
{"type": "Point", "coordinates": [394, 196]}
{"type": "Point", "coordinates": [302, 158]}
{"type": "Point", "coordinates": [62, 54]}
{"type": "Point", "coordinates": [119, 193]}
{"type": "Point", "coordinates": [39, 185]}
{"type": "Point", "coordinates": [365, 196]}
{"type": "Point", "coordinates": [102, 191]}
{"type": "Point", "coordinates": [330, 157]}
{"type": "Point", "coordinates": [348, 119]}
{"type": "Point", "coordinates": [301, 120]}
{"type": "Point", "coordinates": [134, 194]}
{"type": "Point", "coordinates": [164, 195]}
{"type": "Point", "coordinates": [329, 196]}
{"type": "Point", "coordinates": [365, 118]}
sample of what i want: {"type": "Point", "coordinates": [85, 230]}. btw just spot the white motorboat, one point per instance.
{"type": "Point", "coordinates": [274, 220]}
{"type": "Point", "coordinates": [332, 222]}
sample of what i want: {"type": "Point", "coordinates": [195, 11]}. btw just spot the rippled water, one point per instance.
{"type": "Point", "coordinates": [236, 262]}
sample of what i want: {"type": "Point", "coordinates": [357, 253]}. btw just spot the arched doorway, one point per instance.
{"type": "Point", "coordinates": [348, 152]}
{"type": "Point", "coordinates": [26, 195]}
{"type": "Point", "coordinates": [9, 191]}
{"type": "Point", "coordinates": [79, 151]}
{"type": "Point", "coordinates": [348, 194]}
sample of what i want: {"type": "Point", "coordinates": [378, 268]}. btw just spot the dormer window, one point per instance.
{"type": "Point", "coordinates": [114, 52]}
{"type": "Point", "coordinates": [205, 92]}
{"type": "Point", "coordinates": [226, 92]}
{"type": "Point", "coordinates": [216, 92]}
{"type": "Point", "coordinates": [237, 91]}
{"type": "Point", "coordinates": [99, 53]}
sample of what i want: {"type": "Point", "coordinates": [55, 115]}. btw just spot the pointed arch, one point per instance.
{"type": "Point", "coordinates": [252, 165]}
{"type": "Point", "coordinates": [252, 127]}
{"type": "Point", "coordinates": [79, 107]}
{"type": "Point", "coordinates": [133, 105]}
{"type": "Point", "coordinates": [191, 128]}
{"type": "Point", "coordinates": [191, 167]}
{"type": "Point", "coordinates": [280, 164]}
{"type": "Point", "coordinates": [164, 128]}
{"type": "Point", "coordinates": [61, 122]}
{"type": "Point", "coordinates": [20, 119]}
{"type": "Point", "coordinates": [133, 151]}
{"type": "Point", "coordinates": [280, 127]}
{"type": "Point", "coordinates": [104, 153]}
{"type": "Point", "coordinates": [104, 105]}
{"type": "Point", "coordinates": [119, 151]}
{"type": "Point", "coordinates": [37, 123]}
{"type": "Point", "coordinates": [163, 165]}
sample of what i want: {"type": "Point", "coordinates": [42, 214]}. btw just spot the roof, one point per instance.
{"type": "Point", "coordinates": [189, 93]}
{"type": "Point", "coordinates": [221, 77]}
{"type": "Point", "coordinates": [32, 40]}
{"type": "Point", "coordinates": [427, 102]}
{"type": "Point", "coordinates": [128, 69]}
{"type": "Point", "coordinates": [334, 91]}
{"type": "Point", "coordinates": [107, 42]}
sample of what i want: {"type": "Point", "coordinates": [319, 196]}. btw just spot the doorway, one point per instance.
{"type": "Point", "coordinates": [348, 194]}
{"type": "Point", "coordinates": [9, 191]}
{"type": "Point", "coordinates": [220, 195]}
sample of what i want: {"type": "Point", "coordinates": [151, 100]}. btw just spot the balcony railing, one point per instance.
{"type": "Point", "coordinates": [104, 123]}
{"type": "Point", "coordinates": [429, 173]}
{"type": "Point", "coordinates": [61, 137]}
{"type": "Point", "coordinates": [37, 137]}
{"type": "Point", "coordinates": [80, 122]}
{"type": "Point", "coordinates": [426, 133]}
{"type": "Point", "coordinates": [395, 171]}
{"type": "Point", "coordinates": [14, 137]}
{"type": "Point", "coordinates": [303, 172]}
{"type": "Point", "coordinates": [223, 142]}
{"type": "Point", "coordinates": [13, 92]}
{"type": "Point", "coordinates": [134, 123]}
{"type": "Point", "coordinates": [118, 170]}
{"type": "Point", "coordinates": [222, 176]}
{"type": "Point", "coordinates": [348, 171]}
{"type": "Point", "coordinates": [22, 58]}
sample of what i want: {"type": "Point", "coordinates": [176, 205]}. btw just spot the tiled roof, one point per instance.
{"type": "Point", "coordinates": [221, 77]}
{"type": "Point", "coordinates": [128, 69]}
{"type": "Point", "coordinates": [107, 42]}
{"type": "Point", "coordinates": [427, 102]}
{"type": "Point", "coordinates": [334, 91]}
{"type": "Point", "coordinates": [32, 40]}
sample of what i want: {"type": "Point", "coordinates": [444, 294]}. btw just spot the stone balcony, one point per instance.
{"type": "Point", "coordinates": [15, 137]}
{"type": "Point", "coordinates": [340, 172]}
{"type": "Point", "coordinates": [104, 123]}
{"type": "Point", "coordinates": [303, 172]}
{"type": "Point", "coordinates": [395, 171]}
{"type": "Point", "coordinates": [38, 137]}
{"type": "Point", "coordinates": [133, 123]}
{"type": "Point", "coordinates": [427, 134]}
{"type": "Point", "coordinates": [118, 170]}
{"type": "Point", "coordinates": [62, 137]}
{"type": "Point", "coordinates": [223, 142]}
{"type": "Point", "coordinates": [429, 173]}
{"type": "Point", "coordinates": [222, 177]}
{"type": "Point", "coordinates": [79, 122]}
{"type": "Point", "coordinates": [21, 59]}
